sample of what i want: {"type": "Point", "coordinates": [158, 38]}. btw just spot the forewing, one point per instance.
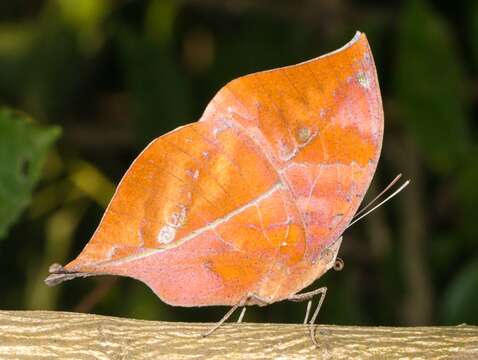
{"type": "Point", "coordinates": [320, 125]}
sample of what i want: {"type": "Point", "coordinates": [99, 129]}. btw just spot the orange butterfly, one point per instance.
{"type": "Point", "coordinates": [248, 205]}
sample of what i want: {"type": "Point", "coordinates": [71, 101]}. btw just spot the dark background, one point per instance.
{"type": "Point", "coordinates": [116, 74]}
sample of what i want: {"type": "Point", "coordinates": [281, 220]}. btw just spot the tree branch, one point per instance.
{"type": "Point", "coordinates": [59, 335]}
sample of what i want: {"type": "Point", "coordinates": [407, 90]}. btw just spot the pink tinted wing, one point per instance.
{"type": "Point", "coordinates": [250, 198]}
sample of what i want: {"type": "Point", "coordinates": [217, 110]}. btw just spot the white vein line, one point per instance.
{"type": "Point", "coordinates": [200, 231]}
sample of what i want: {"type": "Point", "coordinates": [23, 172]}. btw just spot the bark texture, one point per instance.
{"type": "Point", "coordinates": [59, 335]}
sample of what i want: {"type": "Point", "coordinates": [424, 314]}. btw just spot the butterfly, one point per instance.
{"type": "Point", "coordinates": [248, 205]}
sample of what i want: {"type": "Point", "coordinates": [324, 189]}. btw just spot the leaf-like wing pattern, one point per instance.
{"type": "Point", "coordinates": [253, 198]}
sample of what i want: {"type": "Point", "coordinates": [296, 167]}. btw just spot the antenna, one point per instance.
{"type": "Point", "coordinates": [378, 196]}
{"type": "Point", "coordinates": [404, 185]}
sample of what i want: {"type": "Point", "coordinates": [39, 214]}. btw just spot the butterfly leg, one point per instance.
{"type": "Point", "coordinates": [260, 301]}
{"type": "Point", "coordinates": [241, 316]}
{"type": "Point", "coordinates": [308, 297]}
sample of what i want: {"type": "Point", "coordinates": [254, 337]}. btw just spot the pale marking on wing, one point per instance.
{"type": "Point", "coordinates": [109, 254]}
{"type": "Point", "coordinates": [167, 234]}
{"type": "Point", "coordinates": [298, 148]}
{"type": "Point", "coordinates": [201, 217]}
{"type": "Point", "coordinates": [200, 231]}
{"type": "Point", "coordinates": [199, 192]}
{"type": "Point", "coordinates": [363, 80]}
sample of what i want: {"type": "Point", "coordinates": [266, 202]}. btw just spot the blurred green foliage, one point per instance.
{"type": "Point", "coordinates": [116, 74]}
{"type": "Point", "coordinates": [459, 300]}
{"type": "Point", "coordinates": [432, 95]}
{"type": "Point", "coordinates": [23, 150]}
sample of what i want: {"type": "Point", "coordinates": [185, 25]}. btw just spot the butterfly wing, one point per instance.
{"type": "Point", "coordinates": [320, 124]}
{"type": "Point", "coordinates": [248, 199]}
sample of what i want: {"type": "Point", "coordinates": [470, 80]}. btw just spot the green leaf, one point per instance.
{"type": "Point", "coordinates": [459, 304]}
{"type": "Point", "coordinates": [23, 148]}
{"type": "Point", "coordinates": [431, 86]}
